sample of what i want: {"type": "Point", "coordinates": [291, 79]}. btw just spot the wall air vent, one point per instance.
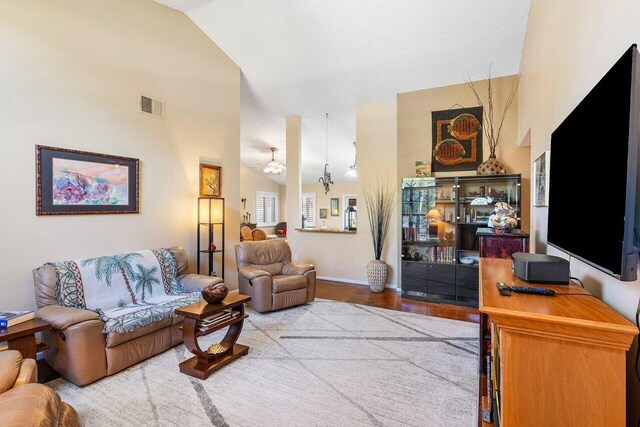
{"type": "Point", "coordinates": [151, 106]}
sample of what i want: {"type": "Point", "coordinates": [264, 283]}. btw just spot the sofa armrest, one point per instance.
{"type": "Point", "coordinates": [251, 273]}
{"type": "Point", "coordinates": [293, 268]}
{"type": "Point", "coordinates": [260, 289]}
{"type": "Point", "coordinates": [63, 317]}
{"type": "Point", "coordinates": [197, 282]}
{"type": "Point", "coordinates": [28, 373]}
{"type": "Point", "coordinates": [10, 364]}
{"type": "Point", "coordinates": [31, 405]}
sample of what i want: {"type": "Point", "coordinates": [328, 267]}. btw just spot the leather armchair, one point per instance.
{"type": "Point", "coordinates": [265, 272]}
{"type": "Point", "coordinates": [23, 402]}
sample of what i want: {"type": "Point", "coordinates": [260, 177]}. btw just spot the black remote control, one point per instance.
{"type": "Point", "coordinates": [532, 290]}
{"type": "Point", "coordinates": [506, 290]}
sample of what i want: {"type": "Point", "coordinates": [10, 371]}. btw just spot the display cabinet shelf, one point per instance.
{"type": "Point", "coordinates": [439, 221]}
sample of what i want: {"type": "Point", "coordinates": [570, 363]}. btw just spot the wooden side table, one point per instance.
{"type": "Point", "coordinates": [500, 244]}
{"type": "Point", "coordinates": [22, 337]}
{"type": "Point", "coordinates": [196, 316]}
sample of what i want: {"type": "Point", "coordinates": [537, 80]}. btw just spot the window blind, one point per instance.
{"type": "Point", "coordinates": [309, 208]}
{"type": "Point", "coordinates": [266, 208]}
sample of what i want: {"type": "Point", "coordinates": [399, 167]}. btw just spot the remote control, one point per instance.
{"type": "Point", "coordinates": [532, 290]}
{"type": "Point", "coordinates": [506, 290]}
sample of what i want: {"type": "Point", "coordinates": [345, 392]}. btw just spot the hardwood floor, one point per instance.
{"type": "Point", "coordinates": [391, 299]}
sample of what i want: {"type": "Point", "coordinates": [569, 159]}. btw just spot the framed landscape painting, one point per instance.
{"type": "Point", "coordinates": [210, 180]}
{"type": "Point", "coordinates": [71, 182]}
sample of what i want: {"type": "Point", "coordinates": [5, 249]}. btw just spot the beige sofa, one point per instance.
{"type": "Point", "coordinates": [265, 272]}
{"type": "Point", "coordinates": [25, 403]}
{"type": "Point", "coordinates": [79, 350]}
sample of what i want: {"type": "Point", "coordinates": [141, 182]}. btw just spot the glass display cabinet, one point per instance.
{"type": "Point", "coordinates": [440, 217]}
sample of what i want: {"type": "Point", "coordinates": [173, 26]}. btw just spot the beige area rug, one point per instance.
{"type": "Point", "coordinates": [324, 364]}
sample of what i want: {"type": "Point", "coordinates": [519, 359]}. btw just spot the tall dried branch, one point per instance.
{"type": "Point", "coordinates": [380, 202]}
{"type": "Point", "coordinates": [493, 128]}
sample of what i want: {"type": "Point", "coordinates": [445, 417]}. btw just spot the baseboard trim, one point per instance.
{"type": "Point", "coordinates": [353, 282]}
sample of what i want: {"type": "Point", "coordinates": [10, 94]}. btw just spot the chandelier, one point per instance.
{"type": "Point", "coordinates": [353, 170]}
{"type": "Point", "coordinates": [273, 167]}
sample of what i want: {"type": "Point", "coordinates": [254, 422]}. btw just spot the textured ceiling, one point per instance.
{"type": "Point", "coordinates": [308, 57]}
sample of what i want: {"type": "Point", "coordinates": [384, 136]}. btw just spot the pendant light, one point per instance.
{"type": "Point", "coordinates": [273, 167]}
{"type": "Point", "coordinates": [326, 178]}
{"type": "Point", "coordinates": [353, 170]}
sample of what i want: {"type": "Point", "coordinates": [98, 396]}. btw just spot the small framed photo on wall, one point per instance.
{"type": "Point", "coordinates": [541, 180]}
{"type": "Point", "coordinates": [210, 180]}
{"type": "Point", "coordinates": [335, 207]}
{"type": "Point", "coordinates": [323, 213]}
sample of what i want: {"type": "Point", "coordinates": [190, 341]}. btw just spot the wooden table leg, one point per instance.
{"type": "Point", "coordinates": [25, 345]}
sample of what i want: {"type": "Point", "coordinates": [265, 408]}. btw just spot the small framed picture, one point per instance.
{"type": "Point", "coordinates": [210, 180]}
{"type": "Point", "coordinates": [423, 169]}
{"type": "Point", "coordinates": [72, 182]}
{"type": "Point", "coordinates": [335, 207]}
{"type": "Point", "coordinates": [541, 180]}
{"type": "Point", "coordinates": [323, 213]}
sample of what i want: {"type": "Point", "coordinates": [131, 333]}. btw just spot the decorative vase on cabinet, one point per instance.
{"type": "Point", "coordinates": [492, 166]}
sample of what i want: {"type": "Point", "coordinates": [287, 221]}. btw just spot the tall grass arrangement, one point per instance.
{"type": "Point", "coordinates": [380, 202]}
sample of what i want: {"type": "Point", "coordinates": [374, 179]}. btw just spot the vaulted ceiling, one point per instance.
{"type": "Point", "coordinates": [310, 57]}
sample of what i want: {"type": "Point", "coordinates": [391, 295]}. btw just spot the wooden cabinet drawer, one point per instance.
{"type": "Point", "coordinates": [442, 281]}
{"type": "Point", "coordinates": [414, 276]}
{"type": "Point", "coordinates": [467, 283]}
{"type": "Point", "coordinates": [445, 273]}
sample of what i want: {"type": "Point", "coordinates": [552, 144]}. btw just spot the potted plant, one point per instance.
{"type": "Point", "coordinates": [379, 202]}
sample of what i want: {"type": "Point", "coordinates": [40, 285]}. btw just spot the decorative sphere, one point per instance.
{"type": "Point", "coordinates": [215, 294]}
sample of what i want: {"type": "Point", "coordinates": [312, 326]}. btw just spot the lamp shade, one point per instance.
{"type": "Point", "coordinates": [211, 210]}
{"type": "Point", "coordinates": [434, 214]}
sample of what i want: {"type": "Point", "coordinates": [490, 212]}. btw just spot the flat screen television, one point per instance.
{"type": "Point", "coordinates": [593, 177]}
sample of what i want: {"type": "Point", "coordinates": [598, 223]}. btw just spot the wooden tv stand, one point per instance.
{"type": "Point", "coordinates": [556, 360]}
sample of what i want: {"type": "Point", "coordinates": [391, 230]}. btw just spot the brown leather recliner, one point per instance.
{"type": "Point", "coordinates": [265, 272]}
{"type": "Point", "coordinates": [79, 350]}
{"type": "Point", "coordinates": [25, 403]}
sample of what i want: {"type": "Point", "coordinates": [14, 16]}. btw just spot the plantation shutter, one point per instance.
{"type": "Point", "coordinates": [266, 208]}
{"type": "Point", "coordinates": [309, 208]}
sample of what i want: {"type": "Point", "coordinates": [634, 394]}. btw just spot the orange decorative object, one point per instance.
{"type": "Point", "coordinates": [449, 152]}
{"type": "Point", "coordinates": [464, 127]}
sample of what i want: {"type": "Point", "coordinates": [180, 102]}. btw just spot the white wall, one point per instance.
{"type": "Point", "coordinates": [323, 201]}
{"type": "Point", "coordinates": [414, 130]}
{"type": "Point", "coordinates": [252, 181]}
{"type": "Point", "coordinates": [71, 72]}
{"type": "Point", "coordinates": [568, 47]}
{"type": "Point", "coordinates": [345, 256]}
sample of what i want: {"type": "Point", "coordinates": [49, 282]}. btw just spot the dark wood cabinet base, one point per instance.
{"type": "Point", "coordinates": [201, 369]}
